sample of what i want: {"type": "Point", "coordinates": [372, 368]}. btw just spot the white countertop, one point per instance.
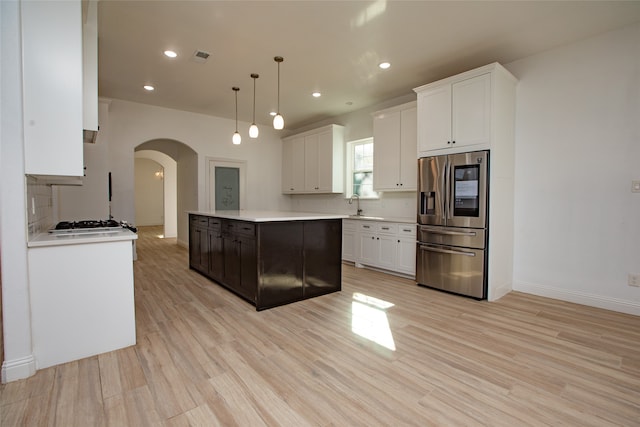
{"type": "Point", "coordinates": [50, 239]}
{"type": "Point", "coordinates": [382, 219]}
{"type": "Point", "coordinates": [269, 216]}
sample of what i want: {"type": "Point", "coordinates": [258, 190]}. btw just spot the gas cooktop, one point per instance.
{"type": "Point", "coordinates": [72, 225]}
{"type": "Point", "coordinates": [90, 226]}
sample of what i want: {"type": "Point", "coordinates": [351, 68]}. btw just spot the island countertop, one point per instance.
{"type": "Point", "coordinates": [269, 216]}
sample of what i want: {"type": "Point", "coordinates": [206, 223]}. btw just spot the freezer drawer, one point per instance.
{"type": "Point", "coordinates": [452, 269]}
{"type": "Point", "coordinates": [451, 236]}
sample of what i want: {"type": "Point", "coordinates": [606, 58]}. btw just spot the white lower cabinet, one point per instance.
{"type": "Point", "coordinates": [386, 245]}
{"type": "Point", "coordinates": [349, 231]}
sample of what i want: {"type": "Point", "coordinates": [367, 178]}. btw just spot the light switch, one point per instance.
{"type": "Point", "coordinates": [635, 186]}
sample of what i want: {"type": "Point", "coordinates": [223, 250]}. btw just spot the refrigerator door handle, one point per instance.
{"type": "Point", "coordinates": [446, 251]}
{"type": "Point", "coordinates": [446, 187]}
{"type": "Point", "coordinates": [452, 233]}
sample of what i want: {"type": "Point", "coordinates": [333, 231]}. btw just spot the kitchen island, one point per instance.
{"type": "Point", "coordinates": [269, 258]}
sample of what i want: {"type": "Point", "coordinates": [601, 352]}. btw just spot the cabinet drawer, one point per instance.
{"type": "Point", "coordinates": [407, 230]}
{"type": "Point", "coordinates": [199, 220]}
{"type": "Point", "coordinates": [368, 226]}
{"type": "Point", "coordinates": [215, 223]}
{"type": "Point", "coordinates": [387, 228]}
{"type": "Point", "coordinates": [246, 228]}
{"type": "Point", "coordinates": [348, 224]}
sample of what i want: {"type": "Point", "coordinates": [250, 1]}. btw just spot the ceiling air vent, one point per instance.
{"type": "Point", "coordinates": [200, 56]}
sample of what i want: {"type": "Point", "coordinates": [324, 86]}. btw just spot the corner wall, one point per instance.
{"type": "Point", "coordinates": [577, 228]}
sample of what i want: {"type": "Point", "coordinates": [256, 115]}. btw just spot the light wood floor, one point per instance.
{"type": "Point", "coordinates": [205, 358]}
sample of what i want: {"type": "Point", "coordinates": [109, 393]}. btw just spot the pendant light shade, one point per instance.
{"type": "Point", "coordinates": [278, 120]}
{"type": "Point", "coordinates": [253, 129]}
{"type": "Point", "coordinates": [237, 139]}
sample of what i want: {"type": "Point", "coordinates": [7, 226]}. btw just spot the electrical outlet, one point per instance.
{"type": "Point", "coordinates": [634, 280]}
{"type": "Point", "coordinates": [635, 186]}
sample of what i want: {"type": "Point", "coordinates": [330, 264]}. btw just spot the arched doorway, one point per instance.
{"type": "Point", "coordinates": [180, 179]}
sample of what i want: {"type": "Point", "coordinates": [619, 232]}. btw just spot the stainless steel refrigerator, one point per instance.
{"type": "Point", "coordinates": [453, 192]}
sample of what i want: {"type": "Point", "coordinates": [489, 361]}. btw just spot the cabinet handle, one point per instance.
{"type": "Point", "coordinates": [398, 240]}
{"type": "Point", "coordinates": [453, 142]}
{"type": "Point", "coordinates": [385, 228]}
{"type": "Point", "coordinates": [377, 238]}
{"type": "Point", "coordinates": [372, 238]}
{"type": "Point", "coordinates": [448, 142]}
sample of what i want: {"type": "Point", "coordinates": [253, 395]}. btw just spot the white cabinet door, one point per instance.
{"type": "Point", "coordinates": [406, 261]}
{"type": "Point", "coordinates": [386, 151]}
{"type": "Point", "coordinates": [387, 254]}
{"type": "Point", "coordinates": [408, 149]}
{"type": "Point", "coordinates": [471, 112]}
{"type": "Point", "coordinates": [311, 183]}
{"type": "Point", "coordinates": [349, 242]}
{"type": "Point", "coordinates": [52, 87]}
{"type": "Point", "coordinates": [325, 165]}
{"type": "Point", "coordinates": [293, 166]}
{"type": "Point", "coordinates": [435, 119]}
{"type": "Point", "coordinates": [287, 167]}
{"type": "Point", "coordinates": [369, 248]}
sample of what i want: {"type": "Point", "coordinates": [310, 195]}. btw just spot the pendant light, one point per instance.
{"type": "Point", "coordinates": [237, 139]}
{"type": "Point", "coordinates": [253, 129]}
{"type": "Point", "coordinates": [278, 120]}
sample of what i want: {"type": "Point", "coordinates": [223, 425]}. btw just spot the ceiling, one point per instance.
{"type": "Point", "coordinates": [330, 46]}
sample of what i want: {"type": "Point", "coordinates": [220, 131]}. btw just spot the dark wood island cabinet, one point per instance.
{"type": "Point", "coordinates": [268, 258]}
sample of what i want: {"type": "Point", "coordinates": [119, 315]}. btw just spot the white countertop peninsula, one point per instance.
{"type": "Point", "coordinates": [269, 216]}
{"type": "Point", "coordinates": [82, 294]}
{"type": "Point", "coordinates": [51, 239]}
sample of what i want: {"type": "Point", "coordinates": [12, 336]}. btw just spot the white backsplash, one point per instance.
{"type": "Point", "coordinates": [39, 206]}
{"type": "Point", "coordinates": [389, 205]}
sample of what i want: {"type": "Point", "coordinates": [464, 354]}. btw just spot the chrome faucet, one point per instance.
{"type": "Point", "coordinates": [358, 210]}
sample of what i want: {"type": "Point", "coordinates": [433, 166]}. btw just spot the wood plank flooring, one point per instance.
{"type": "Point", "coordinates": [205, 357]}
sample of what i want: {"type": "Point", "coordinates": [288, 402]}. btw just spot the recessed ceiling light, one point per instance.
{"type": "Point", "coordinates": [170, 53]}
{"type": "Point", "coordinates": [149, 88]}
{"type": "Point", "coordinates": [316, 94]}
{"type": "Point", "coordinates": [384, 65]}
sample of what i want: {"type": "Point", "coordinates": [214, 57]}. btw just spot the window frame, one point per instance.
{"type": "Point", "coordinates": [349, 167]}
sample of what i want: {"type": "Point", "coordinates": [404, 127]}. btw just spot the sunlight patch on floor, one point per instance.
{"type": "Point", "coordinates": [369, 320]}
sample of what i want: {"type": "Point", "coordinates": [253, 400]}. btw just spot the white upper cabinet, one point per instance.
{"type": "Point", "coordinates": [90, 65]}
{"type": "Point", "coordinates": [52, 87]}
{"type": "Point", "coordinates": [395, 148]}
{"type": "Point", "coordinates": [313, 161]}
{"type": "Point", "coordinates": [461, 113]}
{"type": "Point", "coordinates": [293, 165]}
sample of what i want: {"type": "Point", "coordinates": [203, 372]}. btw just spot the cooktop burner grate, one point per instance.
{"type": "Point", "coordinates": [72, 225]}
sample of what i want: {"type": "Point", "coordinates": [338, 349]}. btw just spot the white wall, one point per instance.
{"type": "Point", "coordinates": [170, 189]}
{"type": "Point", "coordinates": [132, 124]}
{"type": "Point", "coordinates": [577, 224]}
{"type": "Point", "coordinates": [149, 192]}
{"type": "Point", "coordinates": [16, 314]}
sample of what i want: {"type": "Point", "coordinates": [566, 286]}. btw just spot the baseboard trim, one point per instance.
{"type": "Point", "coordinates": [592, 300]}
{"type": "Point", "coordinates": [17, 369]}
{"type": "Point", "coordinates": [182, 243]}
